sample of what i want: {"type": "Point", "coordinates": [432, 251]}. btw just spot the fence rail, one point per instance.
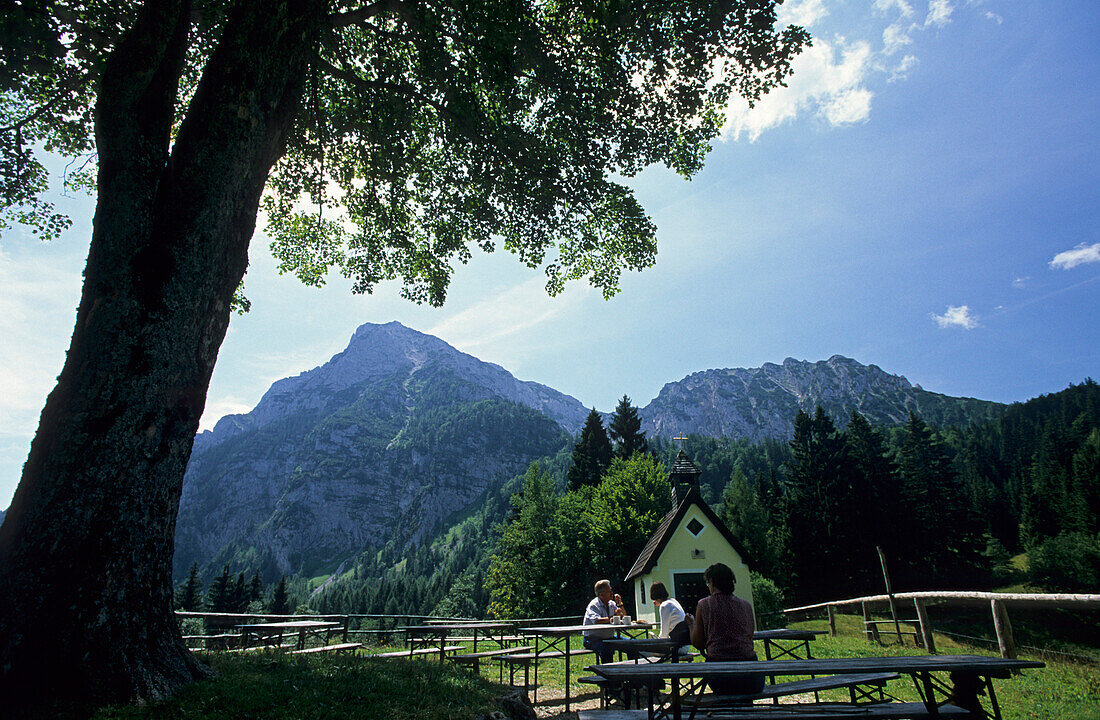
{"type": "Point", "coordinates": [215, 625]}
{"type": "Point", "coordinates": [998, 604]}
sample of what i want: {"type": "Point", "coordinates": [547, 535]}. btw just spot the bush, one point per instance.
{"type": "Point", "coordinates": [767, 600]}
{"type": "Point", "coordinates": [1069, 562]}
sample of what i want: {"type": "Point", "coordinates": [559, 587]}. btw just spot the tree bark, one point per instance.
{"type": "Point", "coordinates": [86, 548]}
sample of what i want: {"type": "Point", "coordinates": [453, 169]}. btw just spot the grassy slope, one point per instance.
{"type": "Point", "coordinates": [288, 688]}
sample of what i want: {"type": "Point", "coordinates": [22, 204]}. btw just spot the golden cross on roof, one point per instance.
{"type": "Point", "coordinates": [681, 439]}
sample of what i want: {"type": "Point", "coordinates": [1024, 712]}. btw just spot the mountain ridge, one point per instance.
{"type": "Point", "coordinates": [400, 430]}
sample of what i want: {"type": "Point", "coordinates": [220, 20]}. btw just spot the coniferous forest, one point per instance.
{"type": "Point", "coordinates": [951, 507]}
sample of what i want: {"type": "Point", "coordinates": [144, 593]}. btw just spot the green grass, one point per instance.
{"type": "Point", "coordinates": [282, 687]}
{"type": "Point", "coordinates": [1060, 691]}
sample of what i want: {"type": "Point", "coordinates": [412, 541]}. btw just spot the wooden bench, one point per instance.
{"type": "Point", "coordinates": [868, 687]}
{"type": "Point", "coordinates": [221, 641]}
{"type": "Point", "coordinates": [822, 711]}
{"type": "Point", "coordinates": [474, 659]}
{"type": "Point", "coordinates": [342, 647]}
{"type": "Point", "coordinates": [416, 653]}
{"type": "Point", "coordinates": [526, 658]}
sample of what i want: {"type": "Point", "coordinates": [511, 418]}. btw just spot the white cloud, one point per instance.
{"type": "Point", "coordinates": [885, 6]}
{"type": "Point", "coordinates": [37, 309]}
{"type": "Point", "coordinates": [805, 13]}
{"type": "Point", "coordinates": [901, 70]}
{"type": "Point", "coordinates": [939, 13]}
{"type": "Point", "coordinates": [827, 81]}
{"type": "Point", "coordinates": [894, 38]}
{"type": "Point", "coordinates": [1077, 256]}
{"type": "Point", "coordinates": [217, 409]}
{"type": "Point", "coordinates": [994, 17]}
{"type": "Point", "coordinates": [515, 310]}
{"type": "Point", "coordinates": [1020, 282]}
{"type": "Point", "coordinates": [849, 107]}
{"type": "Point", "coordinates": [957, 316]}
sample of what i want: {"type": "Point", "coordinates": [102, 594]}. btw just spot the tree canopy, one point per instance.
{"type": "Point", "coordinates": [425, 128]}
{"type": "Point", "coordinates": [386, 140]}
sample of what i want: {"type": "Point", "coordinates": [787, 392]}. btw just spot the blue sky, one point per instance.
{"type": "Point", "coordinates": [923, 196]}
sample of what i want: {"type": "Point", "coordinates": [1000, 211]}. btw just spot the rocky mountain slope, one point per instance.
{"type": "Point", "coordinates": [758, 403]}
{"type": "Point", "coordinates": [381, 443]}
{"type": "Point", "coordinates": [400, 432]}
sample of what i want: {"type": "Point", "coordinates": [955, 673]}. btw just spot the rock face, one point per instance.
{"type": "Point", "coordinates": [400, 432]}
{"type": "Point", "coordinates": [761, 403]}
{"type": "Point", "coordinates": [383, 442]}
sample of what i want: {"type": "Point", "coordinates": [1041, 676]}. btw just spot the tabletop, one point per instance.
{"type": "Point", "coordinates": [574, 629]}
{"type": "Point", "coordinates": [454, 627]}
{"type": "Point", "coordinates": [977, 664]}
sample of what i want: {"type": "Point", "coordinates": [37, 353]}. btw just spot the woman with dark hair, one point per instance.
{"type": "Point", "coordinates": [672, 612]}
{"type": "Point", "coordinates": [723, 631]}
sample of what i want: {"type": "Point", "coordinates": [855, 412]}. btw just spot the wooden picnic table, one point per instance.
{"type": "Point", "coordinates": [422, 636]}
{"type": "Point", "coordinates": [556, 643]}
{"type": "Point", "coordinates": [970, 674]}
{"type": "Point", "coordinates": [777, 644]}
{"type": "Point", "coordinates": [266, 633]}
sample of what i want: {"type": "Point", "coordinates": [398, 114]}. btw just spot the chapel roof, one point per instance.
{"type": "Point", "coordinates": [660, 537]}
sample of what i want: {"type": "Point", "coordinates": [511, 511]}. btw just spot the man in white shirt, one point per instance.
{"type": "Point", "coordinates": [599, 612]}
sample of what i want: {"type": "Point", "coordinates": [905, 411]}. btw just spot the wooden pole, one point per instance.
{"type": "Point", "coordinates": [868, 628]}
{"type": "Point", "coordinates": [925, 626]}
{"type": "Point", "coordinates": [889, 592]}
{"type": "Point", "coordinates": [1003, 628]}
{"type": "Point", "coordinates": [832, 620]}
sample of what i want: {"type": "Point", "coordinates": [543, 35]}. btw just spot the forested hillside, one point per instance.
{"type": "Point", "coordinates": [949, 506]}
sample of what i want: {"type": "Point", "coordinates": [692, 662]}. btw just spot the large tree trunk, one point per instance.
{"type": "Point", "coordinates": [86, 548]}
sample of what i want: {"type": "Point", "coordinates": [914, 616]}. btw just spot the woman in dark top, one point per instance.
{"type": "Point", "coordinates": [723, 631]}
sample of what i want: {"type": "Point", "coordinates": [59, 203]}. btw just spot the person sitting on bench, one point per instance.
{"type": "Point", "coordinates": [723, 631]}
{"type": "Point", "coordinates": [675, 623]}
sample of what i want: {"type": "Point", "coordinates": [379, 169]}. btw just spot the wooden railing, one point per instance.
{"type": "Point", "coordinates": [378, 626]}
{"type": "Point", "coordinates": [998, 603]}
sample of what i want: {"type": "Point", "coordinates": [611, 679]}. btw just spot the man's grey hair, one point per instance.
{"type": "Point", "coordinates": [602, 584]}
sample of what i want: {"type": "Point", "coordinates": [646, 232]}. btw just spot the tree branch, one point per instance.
{"type": "Point", "coordinates": [357, 16]}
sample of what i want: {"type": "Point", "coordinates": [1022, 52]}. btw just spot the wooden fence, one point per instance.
{"type": "Point", "coordinates": [217, 627]}
{"type": "Point", "coordinates": [998, 604]}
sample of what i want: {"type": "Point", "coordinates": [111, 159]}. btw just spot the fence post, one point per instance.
{"type": "Point", "coordinates": [868, 628]}
{"type": "Point", "coordinates": [832, 619]}
{"type": "Point", "coordinates": [1003, 628]}
{"type": "Point", "coordinates": [925, 626]}
{"type": "Point", "coordinates": [890, 593]}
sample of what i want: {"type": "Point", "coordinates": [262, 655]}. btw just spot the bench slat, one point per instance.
{"type": "Point", "coordinates": [528, 657]}
{"type": "Point", "coordinates": [328, 648]}
{"type": "Point", "coordinates": [489, 653]}
{"type": "Point", "coordinates": [823, 711]}
{"type": "Point", "coordinates": [417, 653]}
{"type": "Point", "coordinates": [795, 687]}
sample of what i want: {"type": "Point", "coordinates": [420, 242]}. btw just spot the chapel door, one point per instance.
{"type": "Point", "coordinates": [689, 588]}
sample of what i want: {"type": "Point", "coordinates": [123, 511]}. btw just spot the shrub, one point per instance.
{"type": "Point", "coordinates": [1069, 562]}
{"type": "Point", "coordinates": [767, 600]}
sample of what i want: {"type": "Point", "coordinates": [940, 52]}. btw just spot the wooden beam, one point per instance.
{"type": "Point", "coordinates": [1004, 629]}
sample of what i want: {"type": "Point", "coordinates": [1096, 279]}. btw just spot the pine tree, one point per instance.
{"type": "Point", "coordinates": [190, 595]}
{"type": "Point", "coordinates": [591, 455]}
{"type": "Point", "coordinates": [280, 601]}
{"type": "Point", "coordinates": [942, 529]}
{"type": "Point", "coordinates": [255, 588]}
{"type": "Point", "coordinates": [625, 430]}
{"type": "Point", "coordinates": [218, 598]}
{"type": "Point", "coordinates": [818, 488]}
